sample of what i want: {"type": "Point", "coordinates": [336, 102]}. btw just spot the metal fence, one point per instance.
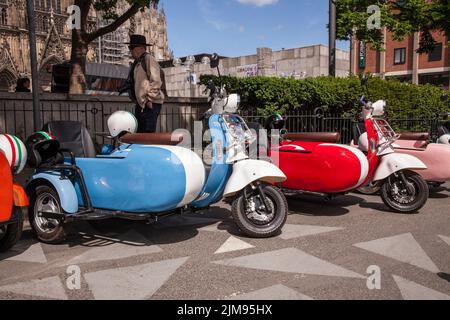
{"type": "Point", "coordinates": [16, 117]}
{"type": "Point", "coordinates": [301, 121]}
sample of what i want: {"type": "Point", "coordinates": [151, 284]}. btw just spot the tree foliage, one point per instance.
{"type": "Point", "coordinates": [336, 95]}
{"type": "Point", "coordinates": [401, 17]}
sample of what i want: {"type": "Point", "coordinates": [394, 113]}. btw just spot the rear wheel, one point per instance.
{"type": "Point", "coordinates": [10, 234]}
{"type": "Point", "coordinates": [405, 198]}
{"type": "Point", "coordinates": [258, 217]}
{"type": "Point", "coordinates": [45, 199]}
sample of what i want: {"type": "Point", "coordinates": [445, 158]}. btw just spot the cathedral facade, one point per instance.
{"type": "Point", "coordinates": [53, 39]}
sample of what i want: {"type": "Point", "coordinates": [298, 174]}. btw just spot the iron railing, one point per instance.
{"type": "Point", "coordinates": [16, 117]}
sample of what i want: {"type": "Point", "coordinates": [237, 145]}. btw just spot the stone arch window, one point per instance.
{"type": "Point", "coordinates": [44, 26]}
{"type": "Point", "coordinates": [4, 17]}
{"type": "Point", "coordinates": [60, 26]}
{"type": "Point", "coordinates": [48, 4]}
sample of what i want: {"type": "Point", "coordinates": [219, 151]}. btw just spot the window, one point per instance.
{"type": "Point", "coordinates": [400, 56]}
{"type": "Point", "coordinates": [436, 54]}
{"type": "Point", "coordinates": [3, 17]}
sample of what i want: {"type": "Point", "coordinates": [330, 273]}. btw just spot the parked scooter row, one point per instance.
{"type": "Point", "coordinates": [146, 177]}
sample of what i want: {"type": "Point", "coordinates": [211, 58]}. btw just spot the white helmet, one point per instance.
{"type": "Point", "coordinates": [120, 122]}
{"type": "Point", "coordinates": [445, 139]}
{"type": "Point", "coordinates": [363, 142]}
{"type": "Point", "coordinates": [15, 152]}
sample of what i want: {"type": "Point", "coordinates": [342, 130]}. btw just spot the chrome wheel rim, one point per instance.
{"type": "Point", "coordinates": [401, 195]}
{"type": "Point", "coordinates": [46, 203]}
{"type": "Point", "coordinates": [256, 211]}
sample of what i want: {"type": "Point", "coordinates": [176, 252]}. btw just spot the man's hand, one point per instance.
{"type": "Point", "coordinates": [149, 105]}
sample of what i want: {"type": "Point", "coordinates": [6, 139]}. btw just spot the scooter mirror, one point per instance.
{"type": "Point", "coordinates": [214, 61]}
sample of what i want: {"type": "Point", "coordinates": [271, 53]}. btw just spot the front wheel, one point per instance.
{"type": "Point", "coordinates": [11, 233]}
{"type": "Point", "coordinates": [45, 199]}
{"type": "Point", "coordinates": [403, 198]}
{"type": "Point", "coordinates": [257, 216]}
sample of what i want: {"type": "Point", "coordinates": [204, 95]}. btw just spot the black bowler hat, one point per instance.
{"type": "Point", "coordinates": [137, 40]}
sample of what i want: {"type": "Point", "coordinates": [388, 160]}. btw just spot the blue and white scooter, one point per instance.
{"type": "Point", "coordinates": [147, 178]}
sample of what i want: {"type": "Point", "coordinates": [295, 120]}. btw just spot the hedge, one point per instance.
{"type": "Point", "coordinates": [335, 95]}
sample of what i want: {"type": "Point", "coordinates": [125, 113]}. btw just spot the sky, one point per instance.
{"type": "Point", "coordinates": [237, 27]}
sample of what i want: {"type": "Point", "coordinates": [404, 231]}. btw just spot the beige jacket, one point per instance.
{"type": "Point", "coordinates": [148, 85]}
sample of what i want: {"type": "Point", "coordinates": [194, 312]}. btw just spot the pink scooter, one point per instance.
{"type": "Point", "coordinates": [435, 156]}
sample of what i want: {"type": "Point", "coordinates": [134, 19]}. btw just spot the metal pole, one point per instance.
{"type": "Point", "coordinates": [33, 58]}
{"type": "Point", "coordinates": [332, 43]}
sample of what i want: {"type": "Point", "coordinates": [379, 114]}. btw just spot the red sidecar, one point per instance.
{"type": "Point", "coordinates": [317, 163]}
{"type": "Point", "coordinates": [12, 196]}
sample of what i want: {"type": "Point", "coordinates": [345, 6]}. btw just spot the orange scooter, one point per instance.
{"type": "Point", "coordinates": [12, 196]}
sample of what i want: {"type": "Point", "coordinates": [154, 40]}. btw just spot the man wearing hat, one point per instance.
{"type": "Point", "coordinates": [146, 85]}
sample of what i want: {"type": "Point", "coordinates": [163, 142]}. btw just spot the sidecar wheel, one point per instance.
{"type": "Point", "coordinates": [251, 216]}
{"type": "Point", "coordinates": [396, 197]}
{"type": "Point", "coordinates": [369, 190]}
{"type": "Point", "coordinates": [10, 234]}
{"type": "Point", "coordinates": [51, 231]}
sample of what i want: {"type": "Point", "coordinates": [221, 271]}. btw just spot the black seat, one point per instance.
{"type": "Point", "coordinates": [72, 136]}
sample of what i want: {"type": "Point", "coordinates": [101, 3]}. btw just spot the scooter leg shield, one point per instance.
{"type": "Point", "coordinates": [395, 162]}
{"type": "Point", "coordinates": [248, 171]}
{"type": "Point", "coordinates": [64, 188]}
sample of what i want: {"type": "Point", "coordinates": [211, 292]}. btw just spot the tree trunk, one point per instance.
{"type": "Point", "coordinates": [78, 62]}
{"type": "Point", "coordinates": [79, 50]}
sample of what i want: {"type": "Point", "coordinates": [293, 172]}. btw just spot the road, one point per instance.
{"type": "Point", "coordinates": [348, 248]}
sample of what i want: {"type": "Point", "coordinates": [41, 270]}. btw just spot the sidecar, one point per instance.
{"type": "Point", "coordinates": [434, 155]}
{"type": "Point", "coordinates": [316, 163]}
{"type": "Point", "coordinates": [12, 200]}
{"type": "Point", "coordinates": [145, 178]}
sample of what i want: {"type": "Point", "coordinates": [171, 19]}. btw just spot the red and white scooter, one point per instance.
{"type": "Point", "coordinates": [402, 187]}
{"type": "Point", "coordinates": [314, 163]}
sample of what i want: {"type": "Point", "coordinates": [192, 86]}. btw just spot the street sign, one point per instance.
{"type": "Point", "coordinates": [362, 55]}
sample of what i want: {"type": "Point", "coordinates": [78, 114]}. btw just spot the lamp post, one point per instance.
{"type": "Point", "coordinates": [33, 58]}
{"type": "Point", "coordinates": [332, 38]}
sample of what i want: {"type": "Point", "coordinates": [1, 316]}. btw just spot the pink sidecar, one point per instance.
{"type": "Point", "coordinates": [435, 156]}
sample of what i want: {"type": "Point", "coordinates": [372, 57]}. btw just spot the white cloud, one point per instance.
{"type": "Point", "coordinates": [211, 16]}
{"type": "Point", "coordinates": [258, 3]}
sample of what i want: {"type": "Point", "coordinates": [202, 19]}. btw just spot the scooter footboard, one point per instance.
{"type": "Point", "coordinates": [396, 162]}
{"type": "Point", "coordinates": [248, 171]}
{"type": "Point", "coordinates": [64, 188]}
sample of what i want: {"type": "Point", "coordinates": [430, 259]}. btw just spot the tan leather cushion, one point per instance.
{"type": "Point", "coordinates": [425, 136]}
{"type": "Point", "coordinates": [165, 139]}
{"type": "Point", "coordinates": [330, 137]}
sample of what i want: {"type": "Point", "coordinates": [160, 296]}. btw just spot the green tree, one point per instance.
{"type": "Point", "coordinates": [81, 38]}
{"type": "Point", "coordinates": [401, 17]}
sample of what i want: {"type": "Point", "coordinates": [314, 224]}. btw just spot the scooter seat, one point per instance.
{"type": "Point", "coordinates": [415, 136]}
{"type": "Point", "coordinates": [164, 139]}
{"type": "Point", "coordinates": [329, 137]}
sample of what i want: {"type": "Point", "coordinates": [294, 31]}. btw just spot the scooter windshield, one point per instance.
{"type": "Point", "coordinates": [237, 128]}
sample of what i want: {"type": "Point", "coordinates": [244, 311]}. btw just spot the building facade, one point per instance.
{"type": "Point", "coordinates": [298, 63]}
{"type": "Point", "coordinates": [400, 60]}
{"type": "Point", "coordinates": [53, 39]}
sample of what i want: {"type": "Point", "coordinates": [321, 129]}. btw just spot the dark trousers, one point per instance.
{"type": "Point", "coordinates": [148, 118]}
